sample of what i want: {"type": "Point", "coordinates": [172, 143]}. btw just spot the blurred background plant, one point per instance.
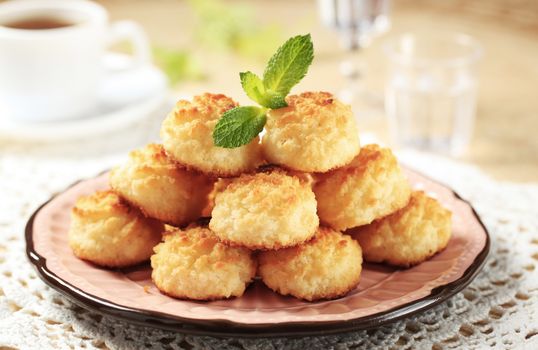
{"type": "Point", "coordinates": [233, 26]}
{"type": "Point", "coordinates": [178, 65]}
{"type": "Point", "coordinates": [219, 26]}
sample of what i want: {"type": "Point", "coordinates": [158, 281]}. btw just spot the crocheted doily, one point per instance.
{"type": "Point", "coordinates": [499, 309]}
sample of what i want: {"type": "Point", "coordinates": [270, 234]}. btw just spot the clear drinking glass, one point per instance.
{"type": "Point", "coordinates": [357, 22]}
{"type": "Point", "coordinates": [430, 96]}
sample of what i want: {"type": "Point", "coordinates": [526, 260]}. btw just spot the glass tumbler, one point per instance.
{"type": "Point", "coordinates": [430, 96]}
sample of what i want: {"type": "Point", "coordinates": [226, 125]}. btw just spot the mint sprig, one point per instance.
{"type": "Point", "coordinates": [253, 86]}
{"type": "Point", "coordinates": [288, 65]}
{"type": "Point", "coordinates": [238, 126]}
{"type": "Point", "coordinates": [255, 89]}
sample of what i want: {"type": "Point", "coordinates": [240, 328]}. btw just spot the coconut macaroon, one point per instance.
{"type": "Point", "coordinates": [187, 137]}
{"type": "Point", "coordinates": [222, 183]}
{"type": "Point", "coordinates": [267, 210]}
{"type": "Point", "coordinates": [315, 133]}
{"type": "Point", "coordinates": [160, 188]}
{"type": "Point", "coordinates": [326, 267]}
{"type": "Point", "coordinates": [409, 236]}
{"type": "Point", "coordinates": [193, 264]}
{"type": "Point", "coordinates": [108, 232]}
{"type": "Point", "coordinates": [371, 187]}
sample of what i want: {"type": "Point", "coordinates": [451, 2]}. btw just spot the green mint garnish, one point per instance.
{"type": "Point", "coordinates": [288, 65]}
{"type": "Point", "coordinates": [238, 126]}
{"type": "Point", "coordinates": [257, 92]}
{"type": "Point", "coordinates": [253, 86]}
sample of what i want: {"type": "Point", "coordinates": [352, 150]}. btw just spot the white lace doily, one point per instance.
{"type": "Point", "coordinates": [498, 310]}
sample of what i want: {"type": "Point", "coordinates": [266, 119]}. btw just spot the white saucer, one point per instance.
{"type": "Point", "coordinates": [126, 96]}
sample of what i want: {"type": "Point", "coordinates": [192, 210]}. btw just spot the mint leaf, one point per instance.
{"type": "Point", "coordinates": [288, 65]}
{"type": "Point", "coordinates": [238, 126]}
{"type": "Point", "coordinates": [274, 100]}
{"type": "Point", "coordinates": [253, 86]}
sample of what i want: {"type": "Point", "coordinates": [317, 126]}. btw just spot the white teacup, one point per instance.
{"type": "Point", "coordinates": [54, 74]}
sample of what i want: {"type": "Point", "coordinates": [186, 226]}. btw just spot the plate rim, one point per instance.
{"type": "Point", "coordinates": [225, 328]}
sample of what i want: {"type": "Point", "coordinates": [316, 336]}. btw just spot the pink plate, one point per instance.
{"type": "Point", "coordinates": [384, 294]}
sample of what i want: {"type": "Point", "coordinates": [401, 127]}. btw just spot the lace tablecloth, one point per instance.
{"type": "Point", "coordinates": [498, 310]}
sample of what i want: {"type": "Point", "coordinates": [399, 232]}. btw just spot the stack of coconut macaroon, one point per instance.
{"type": "Point", "coordinates": [294, 208]}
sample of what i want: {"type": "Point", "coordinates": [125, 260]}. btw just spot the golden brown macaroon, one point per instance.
{"type": "Point", "coordinates": [193, 264]}
{"type": "Point", "coordinates": [267, 210]}
{"type": "Point", "coordinates": [371, 187]}
{"type": "Point", "coordinates": [409, 236]}
{"type": "Point", "coordinates": [108, 232]}
{"type": "Point", "coordinates": [315, 133]}
{"type": "Point", "coordinates": [222, 183]}
{"type": "Point", "coordinates": [187, 135]}
{"type": "Point", "coordinates": [326, 267]}
{"type": "Point", "coordinates": [308, 178]}
{"type": "Point", "coordinates": [160, 188]}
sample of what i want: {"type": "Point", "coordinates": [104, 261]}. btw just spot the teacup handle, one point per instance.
{"type": "Point", "coordinates": [133, 33]}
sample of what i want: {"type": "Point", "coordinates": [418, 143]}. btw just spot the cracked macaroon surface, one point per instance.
{"type": "Point", "coordinates": [314, 133]}
{"type": "Point", "coordinates": [187, 137]}
{"type": "Point", "coordinates": [194, 264]}
{"type": "Point", "coordinates": [409, 236]}
{"type": "Point", "coordinates": [160, 188]}
{"type": "Point", "coordinates": [267, 210]}
{"type": "Point", "coordinates": [326, 267]}
{"type": "Point", "coordinates": [108, 232]}
{"type": "Point", "coordinates": [370, 187]}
